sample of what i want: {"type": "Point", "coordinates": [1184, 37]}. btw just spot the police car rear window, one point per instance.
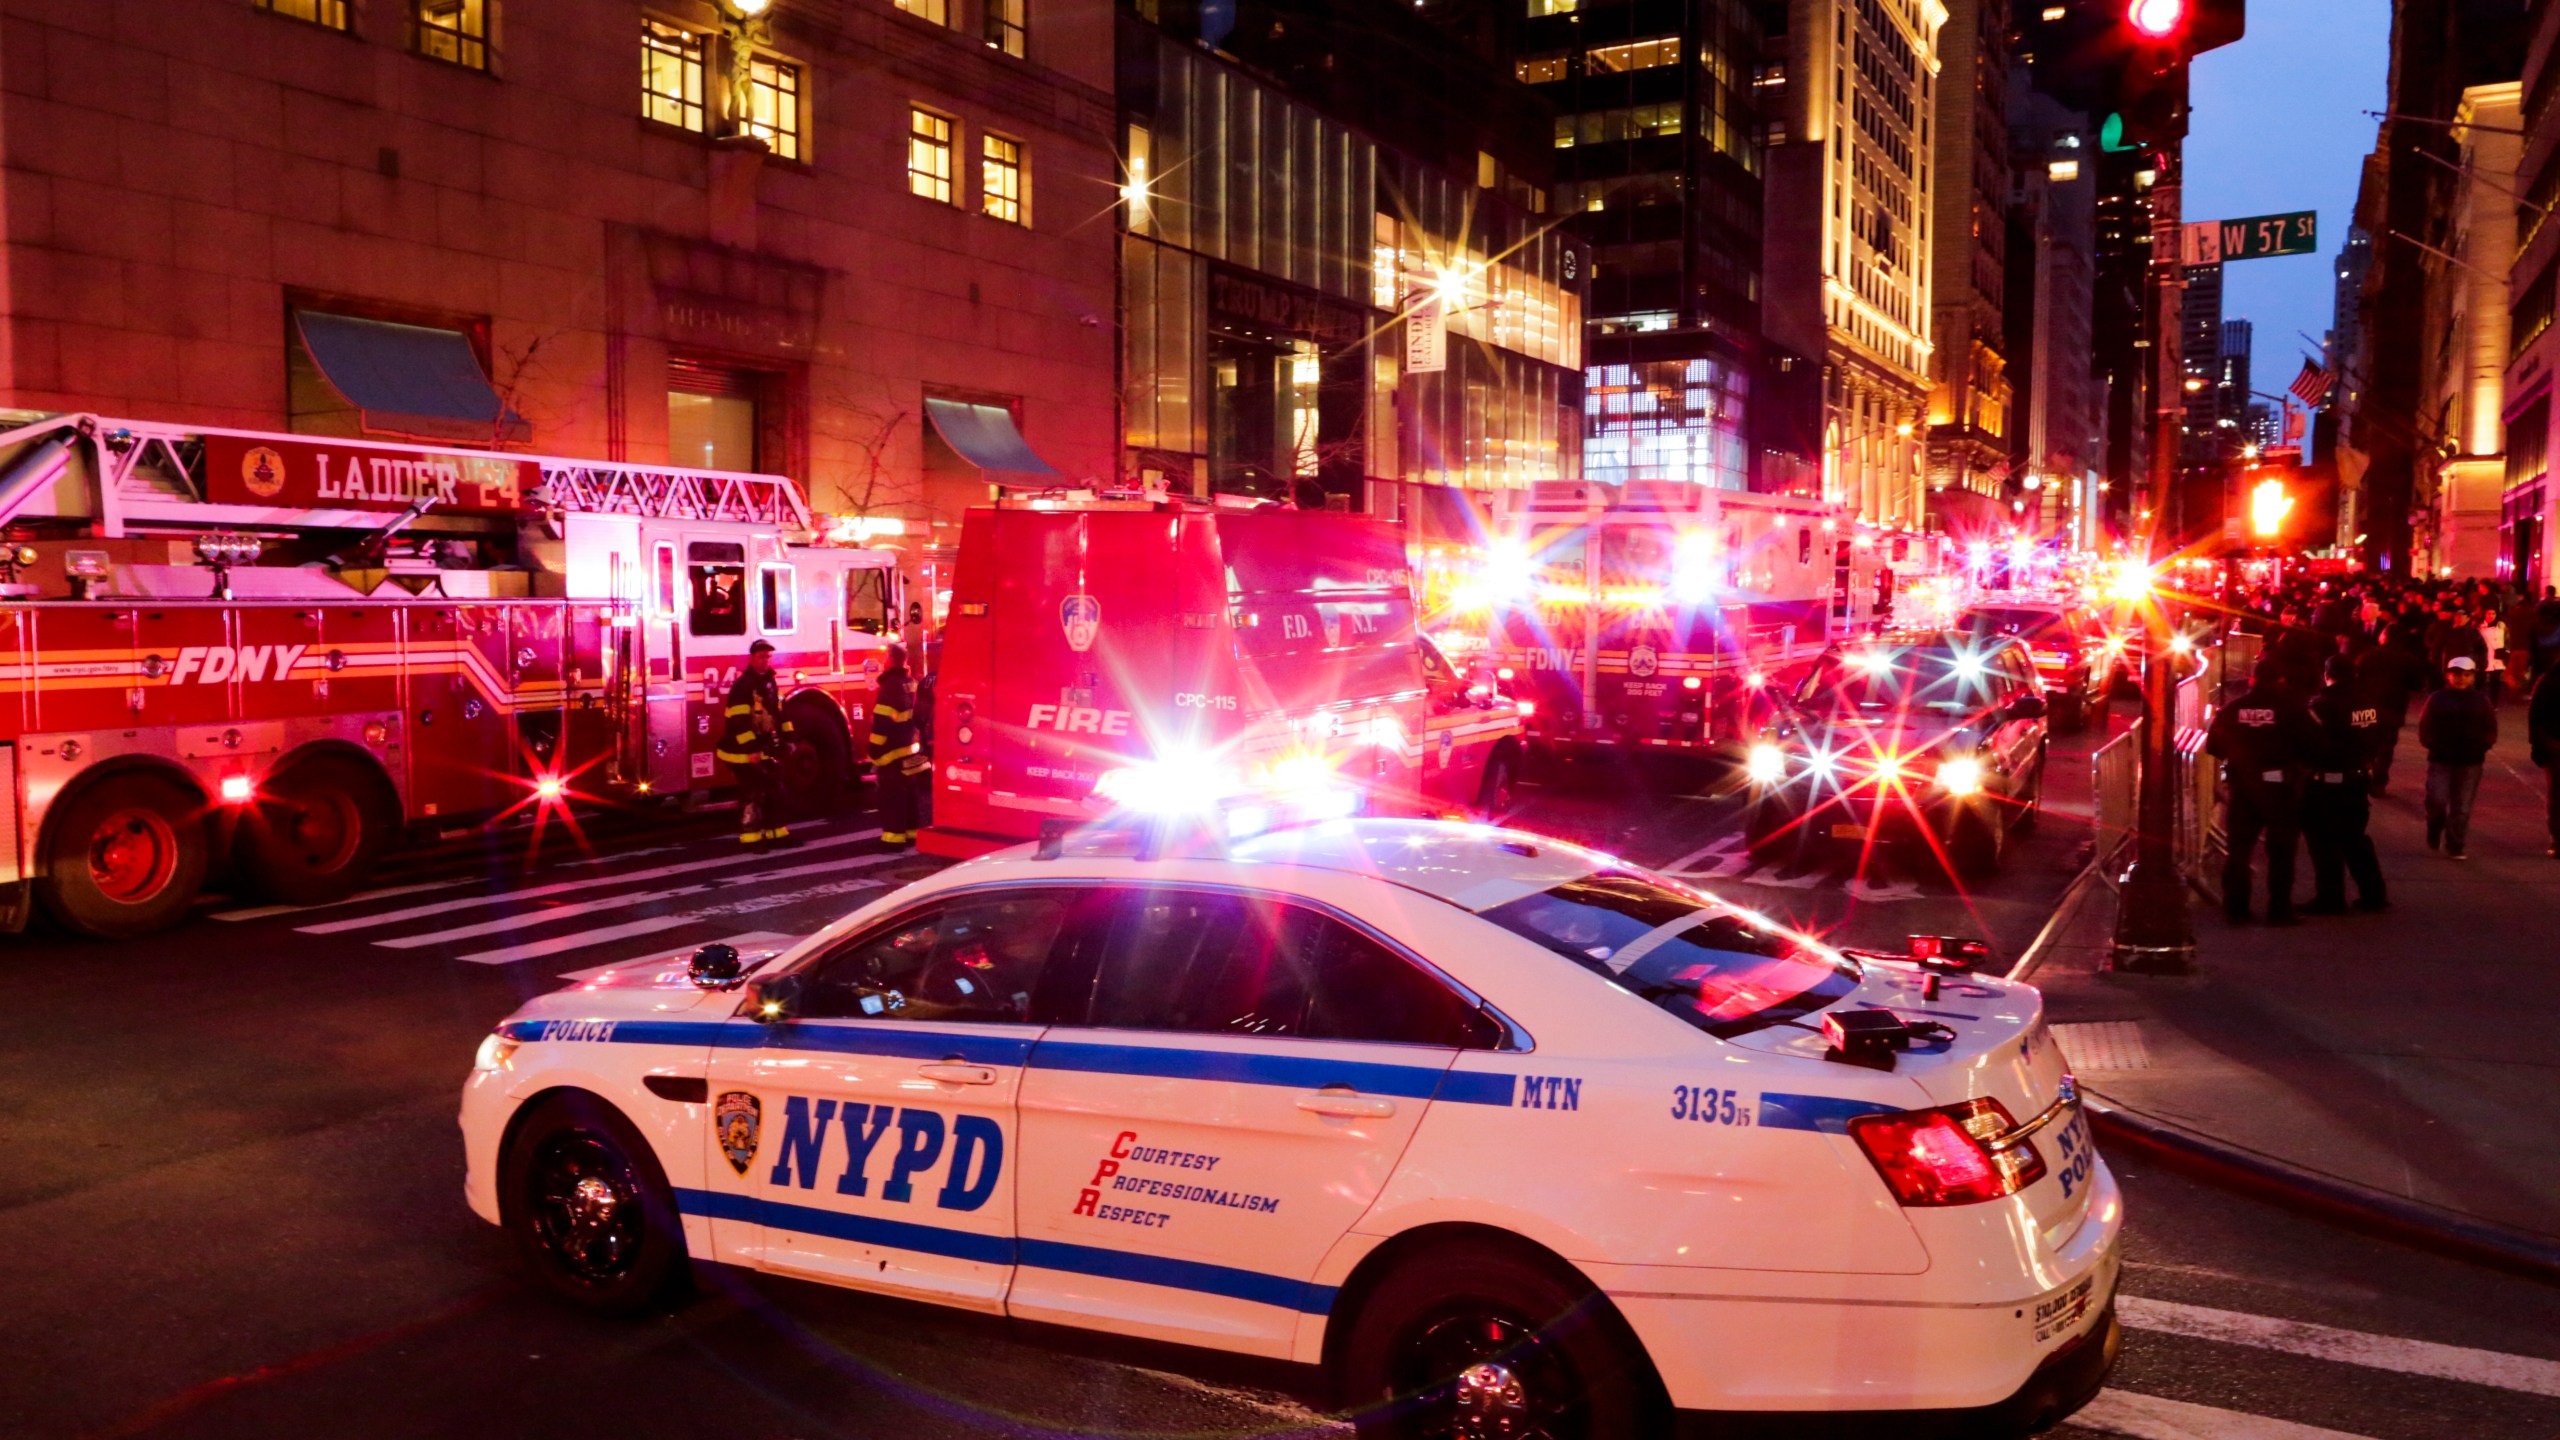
{"type": "Point", "coordinates": [1711, 967]}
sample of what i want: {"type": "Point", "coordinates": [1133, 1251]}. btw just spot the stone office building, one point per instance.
{"type": "Point", "coordinates": [756, 234]}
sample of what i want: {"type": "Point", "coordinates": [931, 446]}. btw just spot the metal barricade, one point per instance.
{"type": "Point", "coordinates": [2115, 774]}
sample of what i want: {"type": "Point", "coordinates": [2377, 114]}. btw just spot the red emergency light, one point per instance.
{"type": "Point", "coordinates": [2157, 19]}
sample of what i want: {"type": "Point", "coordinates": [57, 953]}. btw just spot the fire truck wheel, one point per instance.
{"type": "Point", "coordinates": [125, 856]}
{"type": "Point", "coordinates": [1501, 786]}
{"type": "Point", "coordinates": [817, 767]}
{"type": "Point", "coordinates": [318, 829]}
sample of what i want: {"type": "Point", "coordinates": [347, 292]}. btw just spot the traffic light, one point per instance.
{"type": "Point", "coordinates": [2157, 20]}
{"type": "Point", "coordinates": [2123, 61]}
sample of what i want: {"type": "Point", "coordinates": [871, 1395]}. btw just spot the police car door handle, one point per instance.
{"type": "Point", "coordinates": [1347, 1105]}
{"type": "Point", "coordinates": [955, 1074]}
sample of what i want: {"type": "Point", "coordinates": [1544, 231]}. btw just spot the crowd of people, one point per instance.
{"type": "Point", "coordinates": [2345, 666]}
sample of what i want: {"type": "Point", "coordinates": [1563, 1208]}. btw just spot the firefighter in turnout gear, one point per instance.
{"type": "Point", "coordinates": [897, 753]}
{"type": "Point", "coordinates": [751, 742]}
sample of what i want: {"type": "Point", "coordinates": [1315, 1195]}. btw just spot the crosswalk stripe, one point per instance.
{"type": "Point", "coordinates": [651, 925]}
{"type": "Point", "coordinates": [563, 887]}
{"type": "Point", "coordinates": [548, 914]}
{"type": "Point", "coordinates": [748, 943]}
{"type": "Point", "coordinates": [261, 912]}
{"type": "Point", "coordinates": [2149, 1417]}
{"type": "Point", "coordinates": [2521, 1373]}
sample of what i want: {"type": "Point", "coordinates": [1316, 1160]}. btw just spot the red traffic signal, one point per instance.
{"type": "Point", "coordinates": [2157, 19]}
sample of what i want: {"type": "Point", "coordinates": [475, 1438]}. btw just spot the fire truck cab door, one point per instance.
{"type": "Point", "coordinates": [662, 742]}
{"type": "Point", "coordinates": [718, 580]}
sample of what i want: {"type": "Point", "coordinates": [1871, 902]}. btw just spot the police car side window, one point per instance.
{"type": "Point", "coordinates": [1218, 964]}
{"type": "Point", "coordinates": [970, 959]}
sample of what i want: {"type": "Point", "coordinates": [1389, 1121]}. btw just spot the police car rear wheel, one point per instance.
{"type": "Point", "coordinates": [318, 829]}
{"type": "Point", "coordinates": [125, 857]}
{"type": "Point", "coordinates": [590, 1211]}
{"type": "Point", "coordinates": [1473, 1343]}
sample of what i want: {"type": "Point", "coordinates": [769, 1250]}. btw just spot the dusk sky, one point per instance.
{"type": "Point", "coordinates": [2279, 125]}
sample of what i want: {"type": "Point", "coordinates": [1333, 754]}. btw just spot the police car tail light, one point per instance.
{"type": "Point", "coordinates": [1951, 1156]}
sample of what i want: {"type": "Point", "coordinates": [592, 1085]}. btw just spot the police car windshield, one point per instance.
{"type": "Point", "coordinates": [1711, 967]}
{"type": "Point", "coordinates": [1945, 682]}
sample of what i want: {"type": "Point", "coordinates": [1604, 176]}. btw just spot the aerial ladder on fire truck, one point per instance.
{"type": "Point", "coordinates": [291, 649]}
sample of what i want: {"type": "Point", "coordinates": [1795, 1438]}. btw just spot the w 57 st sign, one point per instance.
{"type": "Point", "coordinates": [2261, 237]}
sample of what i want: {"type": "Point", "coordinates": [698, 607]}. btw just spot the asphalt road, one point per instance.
{"type": "Point", "coordinates": [230, 1202]}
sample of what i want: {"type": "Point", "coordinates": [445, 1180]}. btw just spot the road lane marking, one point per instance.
{"type": "Point", "coordinates": [651, 925]}
{"type": "Point", "coordinates": [530, 918]}
{"type": "Point", "coordinates": [563, 887]}
{"type": "Point", "coordinates": [2520, 1373]}
{"type": "Point", "coordinates": [261, 912]}
{"type": "Point", "coordinates": [2149, 1417]}
{"type": "Point", "coordinates": [1717, 846]}
{"type": "Point", "coordinates": [747, 944]}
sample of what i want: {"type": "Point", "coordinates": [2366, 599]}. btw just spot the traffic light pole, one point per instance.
{"type": "Point", "coordinates": [2155, 934]}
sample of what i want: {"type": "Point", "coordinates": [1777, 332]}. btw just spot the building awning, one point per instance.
{"type": "Point", "coordinates": [408, 380]}
{"type": "Point", "coordinates": [985, 437]}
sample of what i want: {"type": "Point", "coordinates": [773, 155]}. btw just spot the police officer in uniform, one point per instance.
{"type": "Point", "coordinates": [897, 753]}
{"type": "Point", "coordinates": [2266, 740]}
{"type": "Point", "coordinates": [755, 730]}
{"type": "Point", "coordinates": [2336, 806]}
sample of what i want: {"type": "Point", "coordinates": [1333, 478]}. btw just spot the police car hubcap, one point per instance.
{"type": "Point", "coordinates": [584, 1207]}
{"type": "Point", "coordinates": [1495, 1380]}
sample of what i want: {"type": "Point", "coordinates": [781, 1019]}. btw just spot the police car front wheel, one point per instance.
{"type": "Point", "coordinates": [1469, 1343]}
{"type": "Point", "coordinates": [590, 1211]}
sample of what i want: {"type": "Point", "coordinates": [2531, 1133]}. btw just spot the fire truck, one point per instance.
{"type": "Point", "coordinates": [1258, 666]}
{"type": "Point", "coordinates": [274, 655]}
{"type": "Point", "coordinates": [1646, 617]}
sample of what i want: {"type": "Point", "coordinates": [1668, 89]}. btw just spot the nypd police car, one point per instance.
{"type": "Point", "coordinates": [1510, 1137]}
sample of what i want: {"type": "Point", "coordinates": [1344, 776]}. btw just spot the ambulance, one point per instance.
{"type": "Point", "coordinates": [278, 654]}
{"type": "Point", "coordinates": [1156, 654]}
{"type": "Point", "coordinates": [1645, 617]}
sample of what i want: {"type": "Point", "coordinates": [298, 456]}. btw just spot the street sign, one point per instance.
{"type": "Point", "coordinates": [2260, 237]}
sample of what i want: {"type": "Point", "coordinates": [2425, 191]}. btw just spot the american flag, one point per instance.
{"type": "Point", "coordinates": [2312, 385]}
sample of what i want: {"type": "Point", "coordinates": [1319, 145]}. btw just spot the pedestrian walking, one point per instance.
{"type": "Point", "coordinates": [2493, 644]}
{"type": "Point", "coordinates": [2391, 674]}
{"type": "Point", "coordinates": [2542, 723]}
{"type": "Point", "coordinates": [897, 753]}
{"type": "Point", "coordinates": [751, 746]}
{"type": "Point", "coordinates": [2336, 808]}
{"type": "Point", "coordinates": [2457, 727]}
{"type": "Point", "coordinates": [2265, 740]}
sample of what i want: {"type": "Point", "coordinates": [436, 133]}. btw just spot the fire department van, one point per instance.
{"type": "Point", "coordinates": [1643, 616]}
{"type": "Point", "coordinates": [1145, 655]}
{"type": "Point", "coordinates": [284, 650]}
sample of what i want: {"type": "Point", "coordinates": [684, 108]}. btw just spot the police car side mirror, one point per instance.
{"type": "Point", "coordinates": [716, 966]}
{"type": "Point", "coordinates": [2027, 707]}
{"type": "Point", "coordinates": [773, 1000]}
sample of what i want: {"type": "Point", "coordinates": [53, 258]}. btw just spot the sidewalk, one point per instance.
{"type": "Point", "coordinates": [2415, 1053]}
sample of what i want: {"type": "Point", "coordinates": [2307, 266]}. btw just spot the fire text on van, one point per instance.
{"type": "Point", "coordinates": [1079, 719]}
